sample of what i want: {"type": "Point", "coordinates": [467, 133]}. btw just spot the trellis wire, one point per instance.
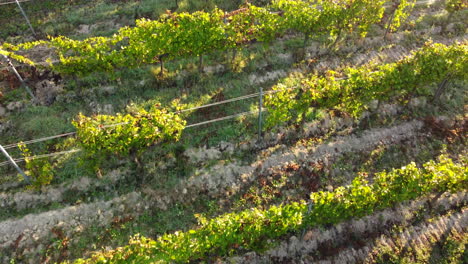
{"type": "Point", "coordinates": [25, 17]}
{"type": "Point", "coordinates": [221, 119]}
{"type": "Point", "coordinates": [13, 2]}
{"type": "Point", "coordinates": [13, 145]}
{"type": "Point", "coordinates": [220, 102]}
{"type": "Point", "coordinates": [42, 156]}
{"type": "Point", "coordinates": [260, 104]}
{"type": "Point", "coordinates": [39, 140]}
{"type": "Point", "coordinates": [77, 150]}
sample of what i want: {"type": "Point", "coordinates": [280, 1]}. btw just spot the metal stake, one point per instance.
{"type": "Point", "coordinates": [26, 177]}
{"type": "Point", "coordinates": [26, 17]}
{"type": "Point", "coordinates": [18, 76]}
{"type": "Point", "coordinates": [260, 103]}
{"type": "Point", "coordinates": [310, 206]}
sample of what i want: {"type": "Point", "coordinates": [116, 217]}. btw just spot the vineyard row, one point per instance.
{"type": "Point", "coordinates": [252, 228]}
{"type": "Point", "coordinates": [179, 35]}
{"type": "Point", "coordinates": [409, 77]}
{"type": "Point", "coordinates": [293, 100]}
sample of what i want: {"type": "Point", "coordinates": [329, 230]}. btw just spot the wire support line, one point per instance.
{"type": "Point", "coordinates": [15, 72]}
{"type": "Point", "coordinates": [222, 118]}
{"type": "Point", "coordinates": [78, 150]}
{"type": "Point", "coordinates": [26, 17]}
{"type": "Point", "coordinates": [244, 97]}
{"type": "Point", "coordinates": [13, 2]}
{"type": "Point", "coordinates": [220, 102]}
{"type": "Point", "coordinates": [42, 156]}
{"type": "Point", "coordinates": [10, 146]}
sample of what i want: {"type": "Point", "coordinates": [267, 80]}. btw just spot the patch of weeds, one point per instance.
{"type": "Point", "coordinates": [342, 169]}
{"type": "Point", "coordinates": [38, 121]}
{"type": "Point", "coordinates": [454, 251]}
{"type": "Point", "coordinates": [151, 224]}
{"type": "Point", "coordinates": [39, 170]}
{"type": "Point", "coordinates": [411, 39]}
{"type": "Point", "coordinates": [267, 190]}
{"type": "Point", "coordinates": [71, 166]}
{"type": "Point", "coordinates": [388, 255]}
{"type": "Point", "coordinates": [58, 247]}
{"type": "Point", "coordinates": [14, 95]}
{"type": "Point", "coordinates": [165, 165]}
{"type": "Point", "coordinates": [419, 150]}
{"type": "Point", "coordinates": [448, 250]}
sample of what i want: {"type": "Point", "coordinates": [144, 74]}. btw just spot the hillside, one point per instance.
{"type": "Point", "coordinates": [224, 132]}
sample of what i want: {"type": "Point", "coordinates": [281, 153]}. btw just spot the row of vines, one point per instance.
{"type": "Point", "coordinates": [251, 229]}
{"type": "Point", "coordinates": [104, 135]}
{"type": "Point", "coordinates": [178, 35]}
{"type": "Point", "coordinates": [184, 34]}
{"type": "Point", "coordinates": [354, 88]}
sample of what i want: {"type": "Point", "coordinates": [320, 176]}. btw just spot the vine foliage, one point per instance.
{"type": "Point", "coordinates": [122, 135]}
{"type": "Point", "coordinates": [251, 229]}
{"type": "Point", "coordinates": [180, 35]}
{"type": "Point", "coordinates": [353, 89]}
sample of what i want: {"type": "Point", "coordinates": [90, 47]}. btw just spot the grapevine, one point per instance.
{"type": "Point", "coordinates": [179, 35]}
{"type": "Point", "coordinates": [16, 57]}
{"type": "Point", "coordinates": [302, 17]}
{"type": "Point", "coordinates": [453, 6]}
{"type": "Point", "coordinates": [105, 135]}
{"type": "Point", "coordinates": [249, 229]}
{"type": "Point", "coordinates": [408, 77]}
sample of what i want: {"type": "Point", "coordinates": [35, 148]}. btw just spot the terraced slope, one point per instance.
{"type": "Point", "coordinates": [87, 212]}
